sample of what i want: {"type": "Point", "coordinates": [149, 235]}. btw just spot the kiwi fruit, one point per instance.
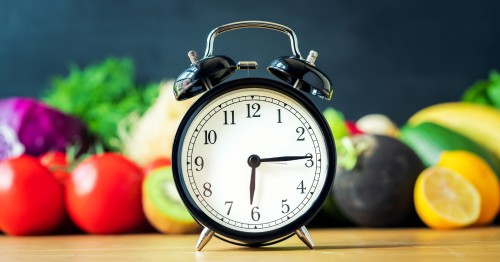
{"type": "Point", "coordinates": [163, 206]}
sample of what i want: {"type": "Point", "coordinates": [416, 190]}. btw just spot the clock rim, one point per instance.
{"type": "Point", "coordinates": [199, 215]}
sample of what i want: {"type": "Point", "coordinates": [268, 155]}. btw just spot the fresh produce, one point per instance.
{"type": "Point", "coordinates": [336, 122]}
{"type": "Point", "coordinates": [377, 124]}
{"type": "Point", "coordinates": [31, 198]}
{"type": "Point", "coordinates": [163, 206]}
{"type": "Point", "coordinates": [480, 175]}
{"type": "Point", "coordinates": [379, 190]}
{"type": "Point", "coordinates": [428, 140]}
{"type": "Point", "coordinates": [353, 129]}
{"type": "Point", "coordinates": [445, 200]}
{"type": "Point", "coordinates": [486, 92]}
{"type": "Point", "coordinates": [57, 163]}
{"type": "Point", "coordinates": [103, 195]}
{"type": "Point", "coordinates": [479, 123]}
{"type": "Point", "coordinates": [152, 136]}
{"type": "Point", "coordinates": [330, 214]}
{"type": "Point", "coordinates": [104, 96]}
{"type": "Point", "coordinates": [160, 162]}
{"type": "Point", "coordinates": [31, 127]}
{"type": "Point", "coordinates": [345, 149]}
{"type": "Point", "coordinates": [9, 142]}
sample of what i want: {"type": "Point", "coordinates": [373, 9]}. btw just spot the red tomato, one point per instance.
{"type": "Point", "coordinates": [57, 163]}
{"type": "Point", "coordinates": [31, 198]}
{"type": "Point", "coordinates": [103, 195]}
{"type": "Point", "coordinates": [160, 162]}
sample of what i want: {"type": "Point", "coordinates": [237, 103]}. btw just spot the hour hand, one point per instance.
{"type": "Point", "coordinates": [252, 185]}
{"type": "Point", "coordinates": [253, 162]}
{"type": "Point", "coordinates": [284, 158]}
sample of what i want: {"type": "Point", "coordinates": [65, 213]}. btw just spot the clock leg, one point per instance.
{"type": "Point", "coordinates": [303, 234]}
{"type": "Point", "coordinates": [205, 236]}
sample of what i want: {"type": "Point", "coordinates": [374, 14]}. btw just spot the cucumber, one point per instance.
{"type": "Point", "coordinates": [428, 140]}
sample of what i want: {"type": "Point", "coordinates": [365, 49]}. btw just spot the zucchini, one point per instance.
{"type": "Point", "coordinates": [428, 140]}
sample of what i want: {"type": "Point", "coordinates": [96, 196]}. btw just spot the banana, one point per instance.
{"type": "Point", "coordinates": [479, 123]}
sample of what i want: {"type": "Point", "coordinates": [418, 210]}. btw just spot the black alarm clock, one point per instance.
{"type": "Point", "coordinates": [253, 158]}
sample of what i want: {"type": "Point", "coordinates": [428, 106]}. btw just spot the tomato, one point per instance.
{"type": "Point", "coordinates": [103, 195]}
{"type": "Point", "coordinates": [160, 162]}
{"type": "Point", "coordinates": [31, 198]}
{"type": "Point", "coordinates": [57, 163]}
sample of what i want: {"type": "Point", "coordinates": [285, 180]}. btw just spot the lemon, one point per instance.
{"type": "Point", "coordinates": [477, 172]}
{"type": "Point", "coordinates": [444, 199]}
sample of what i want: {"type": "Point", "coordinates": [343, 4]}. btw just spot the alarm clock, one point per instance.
{"type": "Point", "coordinates": [253, 159]}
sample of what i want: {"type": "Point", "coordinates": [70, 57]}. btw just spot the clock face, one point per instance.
{"type": "Point", "coordinates": [253, 160]}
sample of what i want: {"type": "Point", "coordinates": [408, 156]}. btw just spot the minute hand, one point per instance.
{"type": "Point", "coordinates": [283, 158]}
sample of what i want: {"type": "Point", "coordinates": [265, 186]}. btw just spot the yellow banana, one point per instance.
{"type": "Point", "coordinates": [479, 123]}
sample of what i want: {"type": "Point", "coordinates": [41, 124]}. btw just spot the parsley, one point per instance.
{"type": "Point", "coordinates": [101, 95]}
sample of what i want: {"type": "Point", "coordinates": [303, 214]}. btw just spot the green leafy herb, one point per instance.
{"type": "Point", "coordinates": [486, 92]}
{"type": "Point", "coordinates": [101, 95]}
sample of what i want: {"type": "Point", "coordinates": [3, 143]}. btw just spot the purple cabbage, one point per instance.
{"type": "Point", "coordinates": [31, 127]}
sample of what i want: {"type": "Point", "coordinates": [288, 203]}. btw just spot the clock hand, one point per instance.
{"type": "Point", "coordinates": [253, 162]}
{"type": "Point", "coordinates": [283, 158]}
{"type": "Point", "coordinates": [252, 185]}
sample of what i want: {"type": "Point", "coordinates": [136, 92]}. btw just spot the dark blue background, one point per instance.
{"type": "Point", "coordinates": [391, 57]}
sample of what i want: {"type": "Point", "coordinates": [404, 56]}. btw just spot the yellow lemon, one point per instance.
{"type": "Point", "coordinates": [478, 172]}
{"type": "Point", "coordinates": [444, 199]}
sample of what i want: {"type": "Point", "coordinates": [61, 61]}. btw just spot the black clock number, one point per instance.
{"type": "Point", "coordinates": [279, 116]}
{"type": "Point", "coordinates": [309, 162]}
{"type": "Point", "coordinates": [198, 161]}
{"type": "Point", "coordinates": [252, 111]}
{"type": "Point", "coordinates": [231, 117]}
{"type": "Point", "coordinates": [300, 130]}
{"type": "Point", "coordinates": [301, 187]}
{"type": "Point", "coordinates": [208, 189]}
{"type": "Point", "coordinates": [285, 208]}
{"type": "Point", "coordinates": [210, 137]}
{"type": "Point", "coordinates": [255, 214]}
{"type": "Point", "coordinates": [230, 206]}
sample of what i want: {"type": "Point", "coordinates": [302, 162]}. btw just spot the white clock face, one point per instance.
{"type": "Point", "coordinates": [266, 125]}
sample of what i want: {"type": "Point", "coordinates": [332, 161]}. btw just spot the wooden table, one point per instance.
{"type": "Point", "coordinates": [479, 244]}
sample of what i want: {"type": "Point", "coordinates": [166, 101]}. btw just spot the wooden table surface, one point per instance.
{"type": "Point", "coordinates": [476, 244]}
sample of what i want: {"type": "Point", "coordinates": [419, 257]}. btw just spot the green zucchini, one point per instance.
{"type": "Point", "coordinates": [428, 140]}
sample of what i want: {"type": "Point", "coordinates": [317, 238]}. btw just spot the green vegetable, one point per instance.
{"type": "Point", "coordinates": [486, 92]}
{"type": "Point", "coordinates": [428, 140]}
{"type": "Point", "coordinates": [336, 122]}
{"type": "Point", "coordinates": [345, 150]}
{"type": "Point", "coordinates": [102, 95]}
